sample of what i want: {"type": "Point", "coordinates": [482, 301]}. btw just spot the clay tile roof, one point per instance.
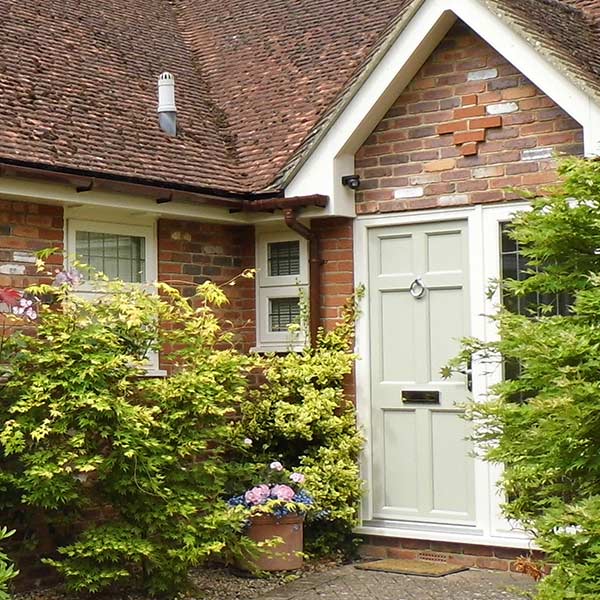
{"type": "Point", "coordinates": [566, 32]}
{"type": "Point", "coordinates": [257, 81]}
{"type": "Point", "coordinates": [78, 89]}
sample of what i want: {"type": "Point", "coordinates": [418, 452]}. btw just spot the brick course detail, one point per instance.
{"type": "Point", "coordinates": [453, 124]}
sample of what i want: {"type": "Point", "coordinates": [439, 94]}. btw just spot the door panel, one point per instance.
{"type": "Point", "coordinates": [422, 470]}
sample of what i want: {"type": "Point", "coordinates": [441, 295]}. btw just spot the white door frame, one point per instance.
{"type": "Point", "coordinates": [484, 264]}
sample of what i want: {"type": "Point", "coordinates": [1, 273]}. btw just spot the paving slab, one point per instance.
{"type": "Point", "coordinates": [348, 583]}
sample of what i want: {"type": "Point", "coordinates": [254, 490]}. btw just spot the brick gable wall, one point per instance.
{"type": "Point", "coordinates": [467, 127]}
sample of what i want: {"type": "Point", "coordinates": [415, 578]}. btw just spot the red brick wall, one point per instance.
{"type": "Point", "coordinates": [408, 162]}
{"type": "Point", "coordinates": [456, 554]}
{"type": "Point", "coordinates": [337, 278]}
{"type": "Point", "coordinates": [26, 227]}
{"type": "Point", "coordinates": [190, 253]}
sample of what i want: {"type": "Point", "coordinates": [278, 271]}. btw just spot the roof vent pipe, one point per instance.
{"type": "Point", "coordinates": [167, 111]}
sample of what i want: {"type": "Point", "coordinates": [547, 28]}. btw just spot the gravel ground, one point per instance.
{"type": "Point", "coordinates": [209, 584]}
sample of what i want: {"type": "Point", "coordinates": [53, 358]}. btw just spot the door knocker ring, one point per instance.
{"type": "Point", "coordinates": [417, 289]}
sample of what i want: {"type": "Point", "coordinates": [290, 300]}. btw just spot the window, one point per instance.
{"type": "Point", "coordinates": [120, 251]}
{"type": "Point", "coordinates": [514, 265]}
{"type": "Point", "coordinates": [283, 312]}
{"type": "Point", "coordinates": [117, 256]}
{"type": "Point", "coordinates": [282, 260]}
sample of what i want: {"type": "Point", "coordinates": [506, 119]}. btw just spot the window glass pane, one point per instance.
{"type": "Point", "coordinates": [117, 256]}
{"type": "Point", "coordinates": [515, 266]}
{"type": "Point", "coordinates": [283, 312]}
{"type": "Point", "coordinates": [284, 258]}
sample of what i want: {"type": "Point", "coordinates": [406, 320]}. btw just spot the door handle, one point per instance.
{"type": "Point", "coordinates": [469, 374]}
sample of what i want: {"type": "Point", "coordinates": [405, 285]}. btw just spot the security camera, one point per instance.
{"type": "Point", "coordinates": [351, 181]}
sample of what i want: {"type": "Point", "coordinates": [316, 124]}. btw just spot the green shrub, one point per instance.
{"type": "Point", "coordinates": [302, 417]}
{"type": "Point", "coordinates": [7, 569]}
{"type": "Point", "coordinates": [545, 427]}
{"type": "Point", "coordinates": [84, 431]}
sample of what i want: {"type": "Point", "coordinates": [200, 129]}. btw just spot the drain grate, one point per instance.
{"type": "Point", "coordinates": [437, 557]}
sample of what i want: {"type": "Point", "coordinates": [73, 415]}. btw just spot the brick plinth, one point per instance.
{"type": "Point", "coordinates": [465, 555]}
{"type": "Point", "coordinates": [466, 129]}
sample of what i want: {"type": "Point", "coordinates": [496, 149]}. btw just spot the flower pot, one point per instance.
{"type": "Point", "coordinates": [285, 556]}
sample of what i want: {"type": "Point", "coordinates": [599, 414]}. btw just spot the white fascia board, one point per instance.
{"type": "Point", "coordinates": [334, 155]}
{"type": "Point", "coordinates": [35, 190]}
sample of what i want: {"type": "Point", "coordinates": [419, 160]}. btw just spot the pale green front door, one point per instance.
{"type": "Point", "coordinates": [419, 310]}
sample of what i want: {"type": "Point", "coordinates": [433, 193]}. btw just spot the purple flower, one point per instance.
{"type": "Point", "coordinates": [257, 495]}
{"type": "Point", "coordinates": [247, 442]}
{"type": "Point", "coordinates": [282, 492]}
{"type": "Point", "coordinates": [297, 478]}
{"type": "Point", "coordinates": [276, 466]}
{"type": "Point", "coordinates": [70, 277]}
{"type": "Point", "coordinates": [25, 308]}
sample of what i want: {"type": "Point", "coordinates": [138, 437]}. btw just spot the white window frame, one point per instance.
{"type": "Point", "coordinates": [148, 232]}
{"type": "Point", "coordinates": [285, 286]}
{"type": "Point", "coordinates": [144, 231]}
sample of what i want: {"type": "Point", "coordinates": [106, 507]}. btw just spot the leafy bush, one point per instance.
{"type": "Point", "coordinates": [552, 474]}
{"type": "Point", "coordinates": [129, 470]}
{"type": "Point", "coordinates": [7, 569]}
{"type": "Point", "coordinates": [302, 417]}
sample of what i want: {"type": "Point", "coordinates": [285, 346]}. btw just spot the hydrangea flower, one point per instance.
{"type": "Point", "coordinates": [70, 277]}
{"type": "Point", "coordinates": [25, 308]}
{"type": "Point", "coordinates": [283, 492]}
{"type": "Point", "coordinates": [257, 495]}
{"type": "Point", "coordinates": [297, 478]}
{"type": "Point", "coordinates": [276, 466]}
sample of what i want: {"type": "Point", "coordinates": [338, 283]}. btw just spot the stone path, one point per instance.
{"type": "Point", "coordinates": [348, 583]}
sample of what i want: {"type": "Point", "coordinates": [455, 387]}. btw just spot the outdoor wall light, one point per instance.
{"type": "Point", "coordinates": [351, 181]}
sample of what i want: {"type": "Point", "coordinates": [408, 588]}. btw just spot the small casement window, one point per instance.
{"type": "Point", "coordinates": [283, 312]}
{"type": "Point", "coordinates": [284, 258]}
{"type": "Point", "coordinates": [118, 256]}
{"type": "Point", "coordinates": [282, 262]}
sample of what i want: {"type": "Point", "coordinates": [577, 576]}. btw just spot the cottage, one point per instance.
{"type": "Point", "coordinates": [327, 143]}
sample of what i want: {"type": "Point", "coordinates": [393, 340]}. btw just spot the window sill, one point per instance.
{"type": "Point", "coordinates": [277, 349]}
{"type": "Point", "coordinates": [157, 373]}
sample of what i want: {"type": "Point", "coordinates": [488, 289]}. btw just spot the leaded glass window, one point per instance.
{"type": "Point", "coordinates": [514, 266]}
{"type": "Point", "coordinates": [117, 256]}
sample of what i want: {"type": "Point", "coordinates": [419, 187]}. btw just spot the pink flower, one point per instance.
{"type": "Point", "coordinates": [257, 495]}
{"type": "Point", "coordinates": [297, 477]}
{"type": "Point", "coordinates": [276, 466]}
{"type": "Point", "coordinates": [282, 492]}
